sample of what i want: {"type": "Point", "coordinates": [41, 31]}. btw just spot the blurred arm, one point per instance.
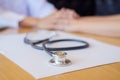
{"type": "Point", "coordinates": [106, 26]}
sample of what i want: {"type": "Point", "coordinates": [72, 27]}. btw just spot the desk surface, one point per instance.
{"type": "Point", "coordinates": [10, 71]}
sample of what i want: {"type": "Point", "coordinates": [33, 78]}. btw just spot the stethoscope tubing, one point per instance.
{"type": "Point", "coordinates": [45, 42]}
{"type": "Point", "coordinates": [48, 41]}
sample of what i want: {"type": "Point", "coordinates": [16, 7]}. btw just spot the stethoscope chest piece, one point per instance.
{"type": "Point", "coordinates": [59, 59]}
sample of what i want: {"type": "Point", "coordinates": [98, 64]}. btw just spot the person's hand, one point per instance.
{"type": "Point", "coordinates": [48, 22]}
{"type": "Point", "coordinates": [60, 17]}
{"type": "Point", "coordinates": [69, 13]}
{"type": "Point", "coordinates": [68, 25]}
{"type": "Point", "coordinates": [68, 20]}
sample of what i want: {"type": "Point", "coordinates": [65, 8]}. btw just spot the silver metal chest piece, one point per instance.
{"type": "Point", "coordinates": [59, 59]}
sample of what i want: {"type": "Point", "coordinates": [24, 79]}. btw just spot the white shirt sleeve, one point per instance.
{"type": "Point", "coordinates": [35, 8]}
{"type": "Point", "coordinates": [9, 19]}
{"type": "Point", "coordinates": [40, 8]}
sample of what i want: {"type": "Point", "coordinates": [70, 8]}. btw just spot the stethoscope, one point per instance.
{"type": "Point", "coordinates": [57, 54]}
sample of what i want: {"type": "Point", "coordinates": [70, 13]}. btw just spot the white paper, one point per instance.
{"type": "Point", "coordinates": [36, 63]}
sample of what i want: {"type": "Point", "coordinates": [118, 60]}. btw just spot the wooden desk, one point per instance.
{"type": "Point", "coordinates": [10, 71]}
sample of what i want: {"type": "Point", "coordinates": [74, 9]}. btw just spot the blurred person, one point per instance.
{"type": "Point", "coordinates": [15, 13]}
{"type": "Point", "coordinates": [25, 12]}
{"type": "Point", "coordinates": [100, 17]}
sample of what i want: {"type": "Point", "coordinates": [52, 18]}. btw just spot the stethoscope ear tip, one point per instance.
{"type": "Point", "coordinates": [59, 59]}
